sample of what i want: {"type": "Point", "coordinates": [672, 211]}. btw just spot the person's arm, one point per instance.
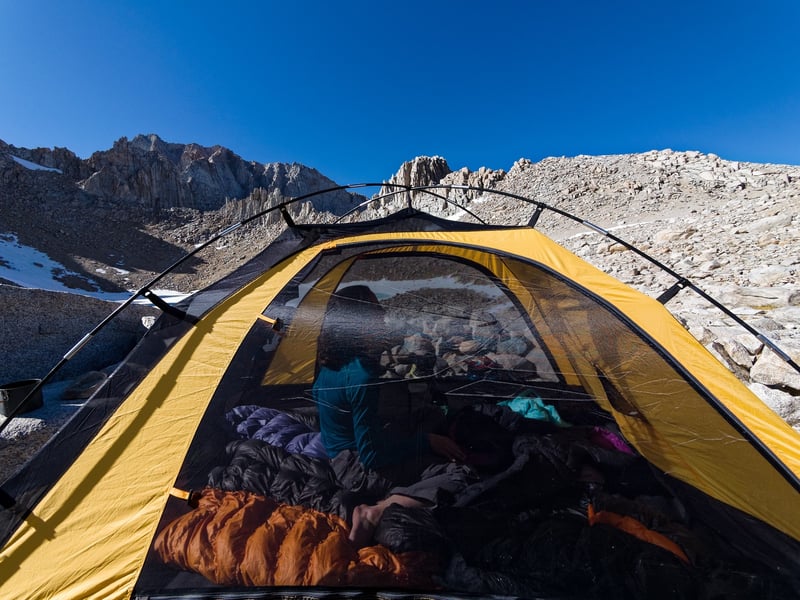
{"type": "Point", "coordinates": [446, 447]}
{"type": "Point", "coordinates": [366, 425]}
{"type": "Point", "coordinates": [376, 448]}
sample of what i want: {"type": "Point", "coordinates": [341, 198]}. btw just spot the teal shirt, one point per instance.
{"type": "Point", "coordinates": [347, 401]}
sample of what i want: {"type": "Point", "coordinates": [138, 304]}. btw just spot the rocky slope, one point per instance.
{"type": "Point", "coordinates": [731, 228]}
{"type": "Point", "coordinates": [131, 211]}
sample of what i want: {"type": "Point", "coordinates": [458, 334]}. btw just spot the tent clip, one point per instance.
{"type": "Point", "coordinates": [159, 303]}
{"type": "Point", "coordinates": [535, 216]}
{"type": "Point", "coordinates": [672, 291]}
{"type": "Point", "coordinates": [287, 217]}
{"type": "Point", "coordinates": [192, 497]}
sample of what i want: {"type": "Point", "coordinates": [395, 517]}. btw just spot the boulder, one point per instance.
{"type": "Point", "coordinates": [771, 370]}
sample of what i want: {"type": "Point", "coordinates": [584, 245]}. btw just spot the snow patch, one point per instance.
{"type": "Point", "coordinates": [33, 166]}
{"type": "Point", "coordinates": [30, 268]}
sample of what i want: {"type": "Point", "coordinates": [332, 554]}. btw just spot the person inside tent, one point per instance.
{"type": "Point", "coordinates": [346, 392]}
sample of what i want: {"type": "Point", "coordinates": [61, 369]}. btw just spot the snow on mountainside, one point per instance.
{"type": "Point", "coordinates": [125, 214]}
{"type": "Point", "coordinates": [31, 165]}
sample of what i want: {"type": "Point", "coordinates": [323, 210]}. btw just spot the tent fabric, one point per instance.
{"type": "Point", "coordinates": [89, 533]}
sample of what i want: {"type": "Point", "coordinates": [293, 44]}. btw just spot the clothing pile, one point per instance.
{"type": "Point", "coordinates": [543, 507]}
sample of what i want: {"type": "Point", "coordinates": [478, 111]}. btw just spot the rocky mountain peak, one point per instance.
{"type": "Point", "coordinates": [433, 170]}
{"type": "Point", "coordinates": [153, 143]}
{"type": "Point", "coordinates": [153, 174]}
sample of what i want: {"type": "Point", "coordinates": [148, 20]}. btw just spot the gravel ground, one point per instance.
{"type": "Point", "coordinates": [27, 433]}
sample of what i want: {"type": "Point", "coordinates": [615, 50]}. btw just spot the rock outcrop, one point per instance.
{"type": "Point", "coordinates": [423, 170]}
{"type": "Point", "coordinates": [157, 175]}
{"type": "Point", "coordinates": [434, 171]}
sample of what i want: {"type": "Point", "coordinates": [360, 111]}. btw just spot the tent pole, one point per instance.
{"type": "Point", "coordinates": [681, 281]}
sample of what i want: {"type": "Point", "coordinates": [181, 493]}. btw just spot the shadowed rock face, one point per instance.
{"type": "Point", "coordinates": [158, 175]}
{"type": "Point", "coordinates": [149, 173]}
{"type": "Point", "coordinates": [40, 327]}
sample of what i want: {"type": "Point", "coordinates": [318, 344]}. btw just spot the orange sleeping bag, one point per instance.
{"type": "Point", "coordinates": [241, 538]}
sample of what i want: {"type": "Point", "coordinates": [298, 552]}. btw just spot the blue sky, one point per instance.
{"type": "Point", "coordinates": [354, 89]}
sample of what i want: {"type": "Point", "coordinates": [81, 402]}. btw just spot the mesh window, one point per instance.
{"type": "Point", "coordinates": [356, 384]}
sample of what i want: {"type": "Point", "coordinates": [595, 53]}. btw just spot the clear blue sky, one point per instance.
{"type": "Point", "coordinates": [353, 89]}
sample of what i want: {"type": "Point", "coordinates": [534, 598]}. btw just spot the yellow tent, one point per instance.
{"type": "Point", "coordinates": [503, 313]}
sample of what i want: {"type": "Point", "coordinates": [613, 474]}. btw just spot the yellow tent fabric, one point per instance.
{"type": "Point", "coordinates": [89, 536]}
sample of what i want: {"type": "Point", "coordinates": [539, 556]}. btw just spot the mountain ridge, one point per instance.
{"type": "Point", "coordinates": [149, 172]}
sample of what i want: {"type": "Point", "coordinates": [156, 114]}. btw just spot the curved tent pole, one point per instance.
{"type": "Point", "coordinates": [145, 291]}
{"type": "Point", "coordinates": [409, 189]}
{"type": "Point", "coordinates": [680, 281]}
